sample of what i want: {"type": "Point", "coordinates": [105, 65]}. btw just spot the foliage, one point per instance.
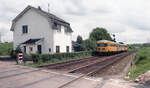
{"type": "Point", "coordinates": [89, 45]}
{"type": "Point", "coordinates": [100, 34]}
{"type": "Point", "coordinates": [78, 46]}
{"type": "Point", "coordinates": [142, 62]}
{"type": "Point", "coordinates": [6, 49]}
{"type": "Point", "coordinates": [131, 47]}
{"type": "Point", "coordinates": [14, 52]}
{"type": "Point", "coordinates": [79, 39]}
{"type": "Point", "coordinates": [53, 58]}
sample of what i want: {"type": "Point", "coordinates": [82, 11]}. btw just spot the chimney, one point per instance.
{"type": "Point", "coordinates": [39, 8]}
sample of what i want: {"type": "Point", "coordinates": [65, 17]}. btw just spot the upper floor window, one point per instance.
{"type": "Point", "coordinates": [66, 29]}
{"type": "Point", "coordinates": [25, 29]}
{"type": "Point", "coordinates": [57, 26]}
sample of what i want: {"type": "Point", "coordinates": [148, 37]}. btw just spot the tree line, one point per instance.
{"type": "Point", "coordinates": [90, 43]}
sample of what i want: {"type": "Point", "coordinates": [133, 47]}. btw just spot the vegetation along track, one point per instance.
{"type": "Point", "coordinates": [92, 70]}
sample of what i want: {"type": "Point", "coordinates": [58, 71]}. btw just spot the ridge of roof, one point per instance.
{"type": "Point", "coordinates": [49, 16]}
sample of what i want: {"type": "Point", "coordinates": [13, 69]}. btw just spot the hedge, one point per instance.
{"type": "Point", "coordinates": [57, 56]}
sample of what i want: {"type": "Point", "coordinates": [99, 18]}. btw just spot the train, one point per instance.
{"type": "Point", "coordinates": [110, 47]}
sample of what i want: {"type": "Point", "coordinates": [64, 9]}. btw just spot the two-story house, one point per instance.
{"type": "Point", "coordinates": [38, 31]}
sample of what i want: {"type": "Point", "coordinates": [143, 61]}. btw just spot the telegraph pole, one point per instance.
{"type": "Point", "coordinates": [114, 37]}
{"type": "Point", "coordinates": [48, 7]}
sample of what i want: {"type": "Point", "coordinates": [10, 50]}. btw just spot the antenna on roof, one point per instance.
{"type": "Point", "coordinates": [36, 3]}
{"type": "Point", "coordinates": [48, 7]}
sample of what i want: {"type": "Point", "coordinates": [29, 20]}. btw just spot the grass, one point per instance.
{"type": "Point", "coordinates": [5, 49]}
{"type": "Point", "coordinates": [142, 62]}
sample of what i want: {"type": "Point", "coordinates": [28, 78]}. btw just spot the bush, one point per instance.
{"type": "Point", "coordinates": [5, 49]}
{"type": "Point", "coordinates": [38, 58]}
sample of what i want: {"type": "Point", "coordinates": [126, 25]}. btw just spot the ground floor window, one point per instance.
{"type": "Point", "coordinates": [31, 49]}
{"type": "Point", "coordinates": [67, 48]}
{"type": "Point", "coordinates": [39, 49]}
{"type": "Point", "coordinates": [49, 49]}
{"type": "Point", "coordinates": [57, 49]}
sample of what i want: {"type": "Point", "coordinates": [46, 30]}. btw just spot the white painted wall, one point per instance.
{"type": "Point", "coordinates": [62, 39]}
{"type": "Point", "coordinates": [38, 27]}
{"type": "Point", "coordinates": [34, 47]}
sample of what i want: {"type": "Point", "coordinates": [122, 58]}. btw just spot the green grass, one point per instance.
{"type": "Point", "coordinates": [142, 62]}
{"type": "Point", "coordinates": [5, 49]}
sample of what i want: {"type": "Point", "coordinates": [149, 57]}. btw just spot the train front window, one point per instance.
{"type": "Point", "coordinates": [102, 45]}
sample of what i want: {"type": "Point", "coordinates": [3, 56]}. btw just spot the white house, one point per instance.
{"type": "Point", "coordinates": [37, 31]}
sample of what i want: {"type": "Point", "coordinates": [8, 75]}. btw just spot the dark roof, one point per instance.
{"type": "Point", "coordinates": [31, 41]}
{"type": "Point", "coordinates": [51, 18]}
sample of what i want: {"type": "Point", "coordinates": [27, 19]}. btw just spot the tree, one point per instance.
{"type": "Point", "coordinates": [89, 45]}
{"type": "Point", "coordinates": [78, 44]}
{"type": "Point", "coordinates": [79, 39]}
{"type": "Point", "coordinates": [100, 34]}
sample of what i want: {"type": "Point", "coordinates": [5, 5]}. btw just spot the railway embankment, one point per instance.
{"type": "Point", "coordinates": [140, 71]}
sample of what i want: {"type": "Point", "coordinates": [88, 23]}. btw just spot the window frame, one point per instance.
{"type": "Point", "coordinates": [24, 29]}
{"type": "Point", "coordinates": [67, 49]}
{"type": "Point", "coordinates": [31, 49]}
{"type": "Point", "coordinates": [103, 44]}
{"type": "Point", "coordinates": [57, 49]}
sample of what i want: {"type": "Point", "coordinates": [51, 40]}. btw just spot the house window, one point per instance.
{"type": "Point", "coordinates": [67, 48]}
{"type": "Point", "coordinates": [49, 49]}
{"type": "Point", "coordinates": [31, 49]}
{"type": "Point", "coordinates": [24, 29]}
{"type": "Point", "coordinates": [57, 26]}
{"type": "Point", "coordinates": [57, 49]}
{"type": "Point", "coordinates": [66, 29]}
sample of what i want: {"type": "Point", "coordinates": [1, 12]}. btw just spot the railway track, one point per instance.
{"type": "Point", "coordinates": [91, 70]}
{"type": "Point", "coordinates": [98, 65]}
{"type": "Point", "coordinates": [69, 63]}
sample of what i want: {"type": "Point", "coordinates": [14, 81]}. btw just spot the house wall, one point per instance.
{"type": "Point", "coordinates": [62, 39]}
{"type": "Point", "coordinates": [34, 50]}
{"type": "Point", "coordinates": [38, 27]}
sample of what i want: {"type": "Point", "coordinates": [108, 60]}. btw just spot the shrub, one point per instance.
{"type": "Point", "coordinates": [38, 58]}
{"type": "Point", "coordinates": [5, 49]}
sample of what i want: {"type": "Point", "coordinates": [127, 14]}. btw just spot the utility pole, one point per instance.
{"type": "Point", "coordinates": [36, 3]}
{"type": "Point", "coordinates": [48, 7]}
{"type": "Point", "coordinates": [114, 37]}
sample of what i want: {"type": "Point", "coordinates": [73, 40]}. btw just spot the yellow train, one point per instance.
{"type": "Point", "coordinates": [105, 46]}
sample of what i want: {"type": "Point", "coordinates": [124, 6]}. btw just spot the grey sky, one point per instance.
{"type": "Point", "coordinates": [128, 19]}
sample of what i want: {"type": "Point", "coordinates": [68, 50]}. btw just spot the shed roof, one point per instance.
{"type": "Point", "coordinates": [31, 41]}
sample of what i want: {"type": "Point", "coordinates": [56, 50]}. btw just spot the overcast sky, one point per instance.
{"type": "Point", "coordinates": [128, 19]}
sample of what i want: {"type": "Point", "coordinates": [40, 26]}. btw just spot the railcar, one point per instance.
{"type": "Point", "coordinates": [110, 47]}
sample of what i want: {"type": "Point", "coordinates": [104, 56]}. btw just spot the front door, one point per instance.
{"type": "Point", "coordinates": [24, 49]}
{"type": "Point", "coordinates": [39, 48]}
